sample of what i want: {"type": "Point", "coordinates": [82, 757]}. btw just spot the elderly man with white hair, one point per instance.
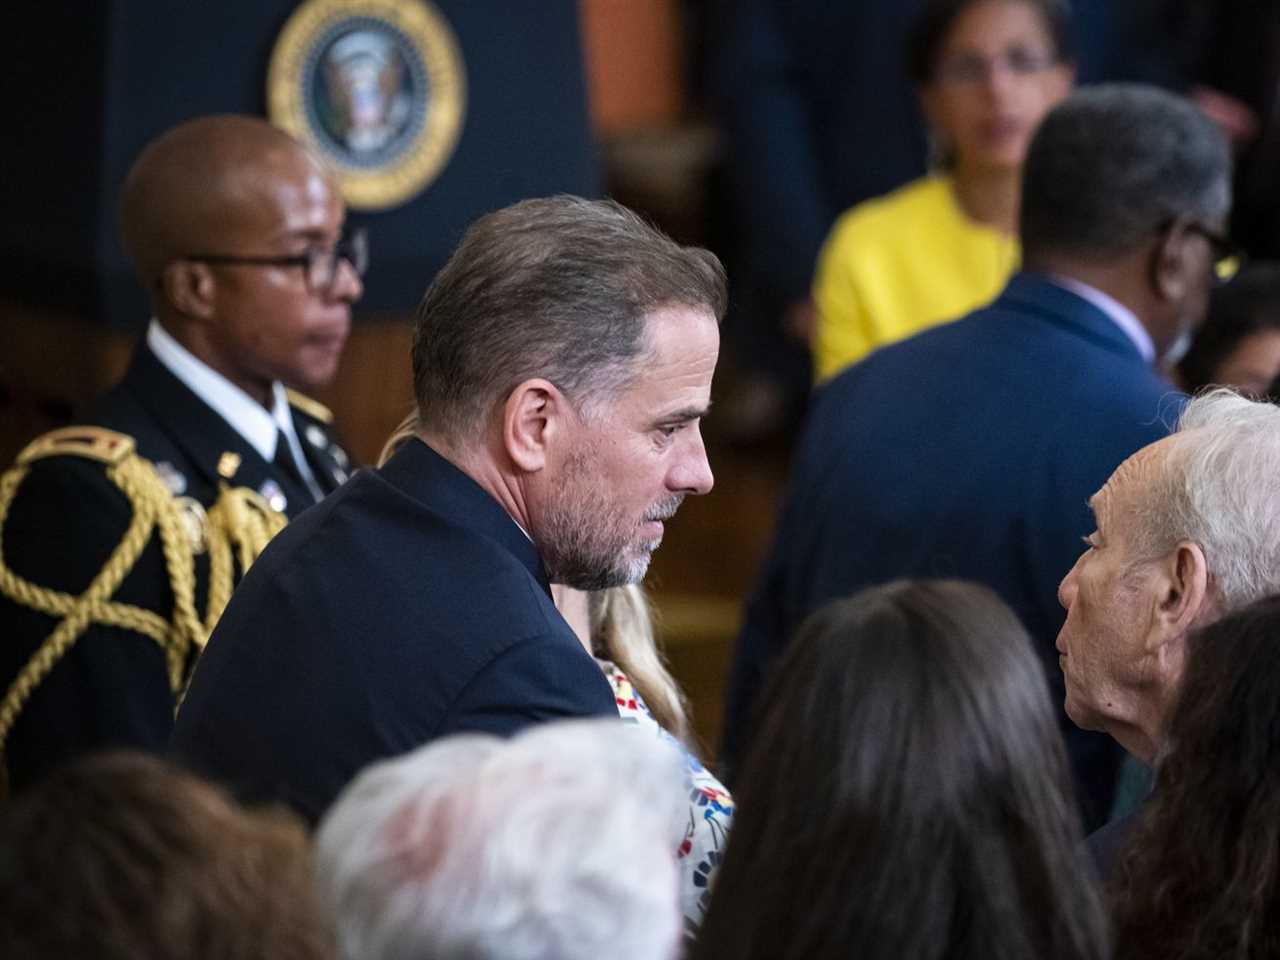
{"type": "Point", "coordinates": [558, 844]}
{"type": "Point", "coordinates": [1187, 530]}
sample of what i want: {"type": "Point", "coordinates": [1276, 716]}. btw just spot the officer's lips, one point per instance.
{"type": "Point", "coordinates": [332, 339]}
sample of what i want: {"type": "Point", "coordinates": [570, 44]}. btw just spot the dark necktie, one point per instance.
{"type": "Point", "coordinates": [285, 462]}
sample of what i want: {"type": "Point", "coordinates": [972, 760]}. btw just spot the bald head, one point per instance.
{"type": "Point", "coordinates": [198, 182]}
{"type": "Point", "coordinates": [224, 218]}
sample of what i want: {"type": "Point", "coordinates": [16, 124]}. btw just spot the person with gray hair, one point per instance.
{"type": "Point", "coordinates": [562, 361]}
{"type": "Point", "coordinates": [969, 450]}
{"type": "Point", "coordinates": [476, 848]}
{"type": "Point", "coordinates": [1187, 530]}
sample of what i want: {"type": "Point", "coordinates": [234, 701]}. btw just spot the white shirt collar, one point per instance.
{"type": "Point", "coordinates": [1122, 316]}
{"type": "Point", "coordinates": [248, 417]}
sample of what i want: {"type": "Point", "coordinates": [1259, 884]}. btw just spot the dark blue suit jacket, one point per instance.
{"type": "Point", "coordinates": [405, 607]}
{"type": "Point", "coordinates": [967, 451]}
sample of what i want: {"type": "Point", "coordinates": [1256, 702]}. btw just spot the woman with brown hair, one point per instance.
{"type": "Point", "coordinates": [1200, 877]}
{"type": "Point", "coordinates": [907, 795]}
{"type": "Point", "coordinates": [122, 856]}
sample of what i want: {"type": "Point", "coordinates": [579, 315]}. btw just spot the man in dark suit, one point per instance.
{"type": "Point", "coordinates": [1185, 531]}
{"type": "Point", "coordinates": [562, 361]}
{"type": "Point", "coordinates": [969, 451]}
{"type": "Point", "coordinates": [200, 451]}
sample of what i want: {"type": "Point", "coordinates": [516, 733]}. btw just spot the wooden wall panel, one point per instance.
{"type": "Point", "coordinates": [373, 389]}
{"type": "Point", "coordinates": [51, 365]}
{"type": "Point", "coordinates": [632, 52]}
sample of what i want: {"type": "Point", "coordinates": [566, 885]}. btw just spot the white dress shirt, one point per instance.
{"type": "Point", "coordinates": [247, 417]}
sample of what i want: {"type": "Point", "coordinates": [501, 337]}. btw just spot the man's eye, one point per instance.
{"type": "Point", "coordinates": [1088, 541]}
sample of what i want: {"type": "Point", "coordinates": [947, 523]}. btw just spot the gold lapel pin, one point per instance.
{"type": "Point", "coordinates": [228, 464]}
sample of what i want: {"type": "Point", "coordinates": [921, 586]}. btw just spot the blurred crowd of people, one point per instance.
{"type": "Point", "coordinates": [832, 114]}
{"type": "Point", "coordinates": [260, 703]}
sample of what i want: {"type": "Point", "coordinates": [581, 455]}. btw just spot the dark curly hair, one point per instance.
{"type": "Point", "coordinates": [1200, 878]}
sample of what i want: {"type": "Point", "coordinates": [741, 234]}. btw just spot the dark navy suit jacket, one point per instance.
{"type": "Point", "coordinates": [405, 607]}
{"type": "Point", "coordinates": [967, 451]}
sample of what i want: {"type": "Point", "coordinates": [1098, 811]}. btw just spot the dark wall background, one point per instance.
{"type": "Point", "coordinates": [91, 83]}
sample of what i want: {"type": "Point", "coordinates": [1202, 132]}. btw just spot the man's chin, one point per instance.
{"type": "Point", "coordinates": [1082, 716]}
{"type": "Point", "coordinates": [602, 577]}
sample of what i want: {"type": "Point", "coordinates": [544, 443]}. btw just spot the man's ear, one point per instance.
{"type": "Point", "coordinates": [1169, 274]}
{"type": "Point", "coordinates": [189, 287]}
{"type": "Point", "coordinates": [1182, 597]}
{"type": "Point", "coordinates": [531, 419]}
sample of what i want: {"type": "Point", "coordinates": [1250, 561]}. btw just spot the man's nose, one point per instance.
{"type": "Point", "coordinates": [692, 474]}
{"type": "Point", "coordinates": [1067, 588]}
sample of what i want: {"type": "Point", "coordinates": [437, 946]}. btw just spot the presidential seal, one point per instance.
{"type": "Point", "coordinates": [377, 87]}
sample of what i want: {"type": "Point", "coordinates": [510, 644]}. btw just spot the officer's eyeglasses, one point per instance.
{"type": "Point", "coordinates": [319, 267]}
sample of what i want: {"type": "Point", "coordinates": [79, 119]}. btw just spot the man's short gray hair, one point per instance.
{"type": "Point", "coordinates": [1112, 165]}
{"type": "Point", "coordinates": [558, 844]}
{"type": "Point", "coordinates": [1219, 487]}
{"type": "Point", "coordinates": [558, 288]}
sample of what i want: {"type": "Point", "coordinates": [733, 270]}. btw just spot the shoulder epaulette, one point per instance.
{"type": "Point", "coordinates": [237, 527]}
{"type": "Point", "coordinates": [312, 408]}
{"type": "Point", "coordinates": [93, 443]}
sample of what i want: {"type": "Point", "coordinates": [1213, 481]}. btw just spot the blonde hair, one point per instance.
{"type": "Point", "coordinates": [405, 429]}
{"type": "Point", "coordinates": [621, 631]}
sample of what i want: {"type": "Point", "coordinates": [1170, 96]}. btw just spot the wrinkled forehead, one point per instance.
{"type": "Point", "coordinates": [1132, 480]}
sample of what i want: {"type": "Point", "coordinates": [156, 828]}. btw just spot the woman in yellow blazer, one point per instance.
{"type": "Point", "coordinates": [987, 71]}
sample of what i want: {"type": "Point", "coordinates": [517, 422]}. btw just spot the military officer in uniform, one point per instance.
{"type": "Point", "coordinates": [120, 538]}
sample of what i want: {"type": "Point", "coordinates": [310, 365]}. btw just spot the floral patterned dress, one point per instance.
{"type": "Point", "coordinates": [710, 806]}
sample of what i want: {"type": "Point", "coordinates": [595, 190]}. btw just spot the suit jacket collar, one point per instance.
{"type": "Point", "coordinates": [1034, 293]}
{"type": "Point", "coordinates": [422, 474]}
{"type": "Point", "coordinates": [199, 431]}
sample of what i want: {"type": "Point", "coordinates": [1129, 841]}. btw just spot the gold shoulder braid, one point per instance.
{"type": "Point", "coordinates": [240, 519]}
{"type": "Point", "coordinates": [312, 408]}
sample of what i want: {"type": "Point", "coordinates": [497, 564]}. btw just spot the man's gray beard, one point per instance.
{"type": "Point", "coordinates": [584, 543]}
{"type": "Point", "coordinates": [585, 547]}
{"type": "Point", "coordinates": [578, 572]}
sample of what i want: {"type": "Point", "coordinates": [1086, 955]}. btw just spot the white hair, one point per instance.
{"type": "Point", "coordinates": [1219, 487]}
{"type": "Point", "coordinates": [558, 844]}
